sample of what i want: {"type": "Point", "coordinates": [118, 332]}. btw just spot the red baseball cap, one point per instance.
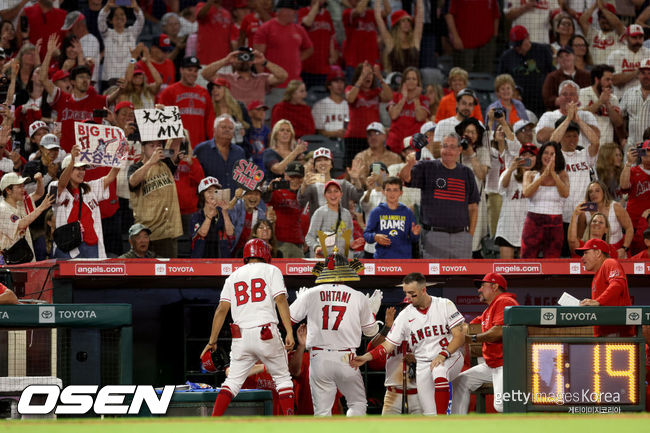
{"type": "Point", "coordinates": [645, 145]}
{"type": "Point", "coordinates": [330, 183]}
{"type": "Point", "coordinates": [492, 277]}
{"type": "Point", "coordinates": [634, 30]}
{"type": "Point", "coordinates": [528, 147]}
{"type": "Point", "coordinates": [399, 15]}
{"type": "Point", "coordinates": [60, 75]}
{"type": "Point", "coordinates": [335, 73]}
{"type": "Point", "coordinates": [138, 71]}
{"type": "Point", "coordinates": [124, 104]}
{"type": "Point", "coordinates": [254, 105]}
{"type": "Point", "coordinates": [207, 364]}
{"type": "Point", "coordinates": [518, 34]}
{"type": "Point", "coordinates": [594, 244]}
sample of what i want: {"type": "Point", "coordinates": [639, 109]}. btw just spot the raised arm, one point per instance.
{"type": "Point", "coordinates": [52, 44]}
{"type": "Point", "coordinates": [381, 26]}
{"type": "Point", "coordinates": [419, 23]}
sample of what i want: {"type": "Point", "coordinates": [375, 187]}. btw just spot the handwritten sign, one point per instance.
{"type": "Point", "coordinates": [101, 144]}
{"type": "Point", "coordinates": [247, 174]}
{"type": "Point", "coordinates": [155, 124]}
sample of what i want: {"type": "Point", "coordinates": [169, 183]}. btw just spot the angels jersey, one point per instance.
{"type": "Point", "coordinates": [335, 313]}
{"type": "Point", "coordinates": [251, 291]}
{"type": "Point", "coordinates": [427, 331]}
{"type": "Point", "coordinates": [394, 365]}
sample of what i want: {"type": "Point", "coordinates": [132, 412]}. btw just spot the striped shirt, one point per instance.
{"type": "Point", "coordinates": [638, 110]}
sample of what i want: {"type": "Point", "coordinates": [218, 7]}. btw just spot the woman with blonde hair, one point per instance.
{"type": "Point", "coordinates": [402, 43]}
{"type": "Point", "coordinates": [458, 80]}
{"type": "Point", "coordinates": [608, 168]}
{"type": "Point", "coordinates": [513, 109]}
{"type": "Point", "coordinates": [283, 148]}
{"type": "Point", "coordinates": [294, 108]}
{"type": "Point", "coordinates": [224, 103]}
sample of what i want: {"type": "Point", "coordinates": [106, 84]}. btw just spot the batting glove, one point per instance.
{"type": "Point", "coordinates": [375, 301]}
{"type": "Point", "coordinates": [301, 291]}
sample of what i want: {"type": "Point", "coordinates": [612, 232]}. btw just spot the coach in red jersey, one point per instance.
{"type": "Point", "coordinates": [492, 291]}
{"type": "Point", "coordinates": [609, 286]}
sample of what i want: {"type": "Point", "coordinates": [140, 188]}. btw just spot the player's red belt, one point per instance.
{"type": "Point", "coordinates": [399, 390]}
{"type": "Point", "coordinates": [332, 350]}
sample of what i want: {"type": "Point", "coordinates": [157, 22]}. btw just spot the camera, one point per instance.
{"type": "Point", "coordinates": [281, 184]}
{"type": "Point", "coordinates": [464, 143]}
{"type": "Point", "coordinates": [499, 113]}
{"type": "Point", "coordinates": [641, 152]}
{"type": "Point", "coordinates": [184, 148]}
{"type": "Point", "coordinates": [245, 54]}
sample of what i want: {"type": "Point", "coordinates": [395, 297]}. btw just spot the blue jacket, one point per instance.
{"type": "Point", "coordinates": [214, 165]}
{"type": "Point", "coordinates": [238, 217]}
{"type": "Point", "coordinates": [396, 224]}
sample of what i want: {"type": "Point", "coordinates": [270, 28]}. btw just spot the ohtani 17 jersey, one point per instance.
{"type": "Point", "coordinates": [426, 331]}
{"type": "Point", "coordinates": [251, 291]}
{"type": "Point", "coordinates": [336, 315]}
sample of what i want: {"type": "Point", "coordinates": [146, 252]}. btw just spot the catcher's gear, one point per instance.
{"type": "Point", "coordinates": [214, 361]}
{"type": "Point", "coordinates": [257, 248]}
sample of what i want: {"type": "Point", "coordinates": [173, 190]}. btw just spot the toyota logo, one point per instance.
{"type": "Point", "coordinates": [548, 316]}
{"type": "Point", "coordinates": [633, 316]}
{"type": "Point", "coordinates": [46, 314]}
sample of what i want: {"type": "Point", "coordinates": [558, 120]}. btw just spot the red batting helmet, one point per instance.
{"type": "Point", "coordinates": [257, 248]}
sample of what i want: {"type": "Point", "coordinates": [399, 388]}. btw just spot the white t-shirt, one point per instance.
{"type": "Point", "coordinates": [330, 116]}
{"type": "Point", "coordinates": [513, 211]}
{"type": "Point", "coordinates": [496, 166]}
{"type": "Point", "coordinates": [536, 20]}
{"type": "Point", "coordinates": [549, 118]}
{"type": "Point", "coordinates": [602, 45]}
{"type": "Point", "coordinates": [426, 332]}
{"type": "Point", "coordinates": [578, 166]}
{"type": "Point", "coordinates": [588, 97]}
{"type": "Point", "coordinates": [251, 291]}
{"type": "Point", "coordinates": [445, 127]}
{"type": "Point", "coordinates": [336, 314]}
{"type": "Point", "coordinates": [625, 60]}
{"type": "Point", "coordinates": [63, 207]}
{"type": "Point", "coordinates": [9, 218]}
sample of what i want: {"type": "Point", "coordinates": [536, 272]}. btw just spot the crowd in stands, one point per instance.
{"type": "Point", "coordinates": [413, 129]}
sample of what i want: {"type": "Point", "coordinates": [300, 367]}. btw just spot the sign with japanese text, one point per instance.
{"type": "Point", "coordinates": [156, 124]}
{"type": "Point", "coordinates": [101, 144]}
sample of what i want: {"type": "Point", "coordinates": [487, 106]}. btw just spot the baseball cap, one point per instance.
{"type": "Point", "coordinates": [492, 277]}
{"type": "Point", "coordinates": [645, 145]}
{"type": "Point", "coordinates": [163, 42]}
{"type": "Point", "coordinates": [60, 75]}
{"type": "Point", "coordinates": [191, 62]}
{"type": "Point", "coordinates": [207, 364]}
{"type": "Point", "coordinates": [71, 19]}
{"type": "Point", "coordinates": [466, 91]}
{"type": "Point", "coordinates": [136, 228]}
{"type": "Point", "coordinates": [594, 244]}
{"type": "Point", "coordinates": [35, 126]}
{"type": "Point", "coordinates": [335, 73]}
{"type": "Point", "coordinates": [645, 64]}
{"type": "Point", "coordinates": [254, 105]}
{"type": "Point", "coordinates": [11, 178]}
{"type": "Point", "coordinates": [521, 124]}
{"type": "Point", "coordinates": [376, 126]}
{"type": "Point", "coordinates": [330, 183]}
{"type": "Point", "coordinates": [137, 71]}
{"type": "Point", "coordinates": [518, 34]}
{"type": "Point", "coordinates": [50, 141]}
{"type": "Point", "coordinates": [565, 49]}
{"type": "Point", "coordinates": [610, 7]}
{"type": "Point", "coordinates": [528, 147]}
{"type": "Point", "coordinates": [66, 162]}
{"type": "Point", "coordinates": [573, 126]}
{"type": "Point", "coordinates": [323, 152]}
{"type": "Point", "coordinates": [294, 168]}
{"type": "Point", "coordinates": [287, 4]}
{"type": "Point", "coordinates": [221, 82]}
{"type": "Point", "coordinates": [124, 104]}
{"type": "Point", "coordinates": [427, 127]}
{"type": "Point", "coordinates": [634, 30]}
{"type": "Point", "coordinates": [207, 182]}
{"type": "Point", "coordinates": [399, 15]}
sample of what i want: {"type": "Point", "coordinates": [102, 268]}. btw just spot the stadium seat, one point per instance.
{"type": "Point", "coordinates": [315, 94]}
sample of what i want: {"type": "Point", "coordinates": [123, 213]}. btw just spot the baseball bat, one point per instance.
{"type": "Point", "coordinates": [405, 400]}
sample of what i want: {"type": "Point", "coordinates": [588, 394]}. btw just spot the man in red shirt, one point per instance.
{"type": "Point", "coordinates": [262, 12]}
{"type": "Point", "coordinates": [44, 20]}
{"type": "Point", "coordinates": [645, 254]}
{"type": "Point", "coordinates": [320, 28]}
{"type": "Point", "coordinates": [287, 210]}
{"type": "Point", "coordinates": [492, 291]}
{"type": "Point", "coordinates": [635, 181]}
{"type": "Point", "coordinates": [609, 286]}
{"type": "Point", "coordinates": [76, 106]}
{"type": "Point", "coordinates": [192, 100]}
{"type": "Point", "coordinates": [360, 34]}
{"type": "Point", "coordinates": [215, 27]}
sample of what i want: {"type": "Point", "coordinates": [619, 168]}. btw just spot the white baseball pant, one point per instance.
{"type": "Point", "coordinates": [393, 403]}
{"type": "Point", "coordinates": [329, 370]}
{"type": "Point", "coordinates": [471, 380]}
{"type": "Point", "coordinates": [425, 377]}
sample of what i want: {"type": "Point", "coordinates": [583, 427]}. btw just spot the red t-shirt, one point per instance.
{"type": "Point", "coordinates": [609, 288]}
{"type": "Point", "coordinates": [71, 110]}
{"type": "Point", "coordinates": [87, 223]}
{"type": "Point", "coordinates": [109, 206]}
{"type": "Point", "coordinates": [363, 111]}
{"type": "Point", "coordinates": [166, 70]}
{"type": "Point", "coordinates": [360, 38]}
{"type": "Point", "coordinates": [264, 381]}
{"type": "Point", "coordinates": [250, 24]}
{"type": "Point", "coordinates": [195, 106]}
{"type": "Point", "coordinates": [298, 114]}
{"type": "Point", "coordinates": [213, 36]}
{"type": "Point", "coordinates": [493, 316]}
{"type": "Point", "coordinates": [474, 20]}
{"type": "Point", "coordinates": [288, 211]}
{"type": "Point", "coordinates": [283, 46]}
{"type": "Point", "coordinates": [320, 33]}
{"type": "Point", "coordinates": [642, 255]}
{"type": "Point", "coordinates": [405, 124]}
{"type": "Point", "coordinates": [639, 193]}
{"type": "Point", "coordinates": [187, 179]}
{"type": "Point", "coordinates": [42, 25]}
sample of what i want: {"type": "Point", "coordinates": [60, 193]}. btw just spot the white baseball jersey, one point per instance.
{"type": "Point", "coordinates": [588, 97]}
{"type": "Point", "coordinates": [535, 20]}
{"type": "Point", "coordinates": [336, 315]}
{"type": "Point", "coordinates": [330, 116]}
{"type": "Point", "coordinates": [426, 331]}
{"type": "Point", "coordinates": [602, 45]}
{"type": "Point", "coordinates": [626, 60]}
{"type": "Point", "coordinates": [578, 166]}
{"type": "Point", "coordinates": [251, 291]}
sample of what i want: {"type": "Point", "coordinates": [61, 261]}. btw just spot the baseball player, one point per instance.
{"type": "Point", "coordinates": [336, 315]}
{"type": "Point", "coordinates": [249, 293]}
{"type": "Point", "coordinates": [432, 326]}
{"type": "Point", "coordinates": [397, 372]}
{"type": "Point", "coordinates": [492, 291]}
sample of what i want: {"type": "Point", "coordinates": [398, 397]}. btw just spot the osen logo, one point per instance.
{"type": "Point", "coordinates": [46, 314]}
{"type": "Point", "coordinates": [548, 316]}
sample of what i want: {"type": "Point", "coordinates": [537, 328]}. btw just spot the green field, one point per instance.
{"type": "Point", "coordinates": [371, 424]}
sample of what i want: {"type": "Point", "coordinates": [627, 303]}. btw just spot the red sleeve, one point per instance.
{"type": "Point", "coordinates": [198, 7]}
{"type": "Point", "coordinates": [261, 34]}
{"type": "Point", "coordinates": [306, 41]}
{"type": "Point", "coordinates": [615, 283]}
{"type": "Point", "coordinates": [497, 313]}
{"type": "Point", "coordinates": [165, 97]}
{"type": "Point", "coordinates": [196, 171]}
{"type": "Point", "coordinates": [452, 6]}
{"type": "Point", "coordinates": [302, 12]}
{"type": "Point", "coordinates": [209, 118]}
{"type": "Point", "coordinates": [3, 289]}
